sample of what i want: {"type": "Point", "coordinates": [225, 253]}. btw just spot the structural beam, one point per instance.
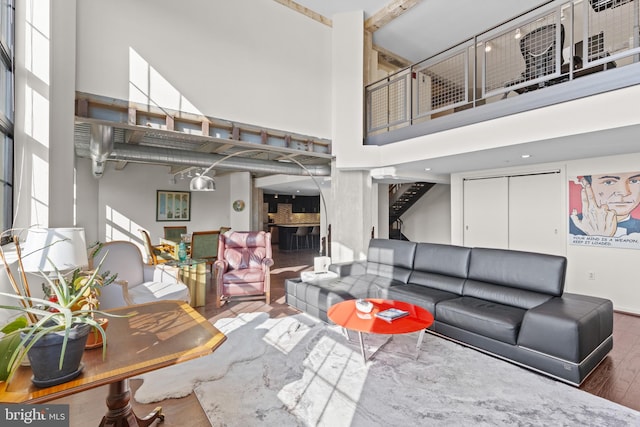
{"type": "Point", "coordinates": [391, 59]}
{"type": "Point", "coordinates": [388, 13]}
{"type": "Point", "coordinates": [305, 11]}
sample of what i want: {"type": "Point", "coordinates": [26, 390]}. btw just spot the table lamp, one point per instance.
{"type": "Point", "coordinates": [49, 248]}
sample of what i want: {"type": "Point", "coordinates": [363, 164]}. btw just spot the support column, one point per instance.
{"type": "Point", "coordinates": [61, 114]}
{"type": "Point", "coordinates": [353, 197]}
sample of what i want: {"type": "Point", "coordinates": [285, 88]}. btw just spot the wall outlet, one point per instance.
{"type": "Point", "coordinates": [591, 275]}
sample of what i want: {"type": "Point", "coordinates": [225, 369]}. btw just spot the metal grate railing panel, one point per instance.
{"type": "Point", "coordinates": [553, 44]}
{"type": "Point", "coordinates": [441, 85]}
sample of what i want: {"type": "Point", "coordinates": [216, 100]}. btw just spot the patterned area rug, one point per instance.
{"type": "Point", "coordinates": [296, 371]}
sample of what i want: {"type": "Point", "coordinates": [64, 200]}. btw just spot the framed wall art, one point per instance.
{"type": "Point", "coordinates": [173, 205]}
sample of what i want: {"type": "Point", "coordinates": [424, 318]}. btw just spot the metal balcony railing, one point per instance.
{"type": "Point", "coordinates": [551, 45]}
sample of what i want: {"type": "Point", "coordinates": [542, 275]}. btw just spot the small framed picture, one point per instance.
{"type": "Point", "coordinates": [173, 205]}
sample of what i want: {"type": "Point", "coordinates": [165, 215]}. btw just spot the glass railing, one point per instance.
{"type": "Point", "coordinates": [550, 46]}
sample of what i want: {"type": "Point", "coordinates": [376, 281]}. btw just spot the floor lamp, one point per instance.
{"type": "Point", "coordinates": [202, 182]}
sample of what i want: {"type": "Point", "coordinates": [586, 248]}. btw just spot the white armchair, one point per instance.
{"type": "Point", "coordinates": [137, 282]}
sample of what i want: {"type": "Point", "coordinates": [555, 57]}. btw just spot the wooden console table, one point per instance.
{"type": "Point", "coordinates": [157, 335]}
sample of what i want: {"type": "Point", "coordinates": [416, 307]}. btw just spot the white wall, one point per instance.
{"type": "Point", "coordinates": [240, 189]}
{"type": "Point", "coordinates": [429, 220]}
{"type": "Point", "coordinates": [250, 61]}
{"type": "Point", "coordinates": [127, 202]}
{"type": "Point", "coordinates": [613, 269]}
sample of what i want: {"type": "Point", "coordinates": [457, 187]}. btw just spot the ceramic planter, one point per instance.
{"type": "Point", "coordinates": [44, 357]}
{"type": "Point", "coordinates": [94, 340]}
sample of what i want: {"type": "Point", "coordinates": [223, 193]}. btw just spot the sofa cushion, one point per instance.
{"type": "Point", "coordinates": [366, 285]}
{"type": "Point", "coordinates": [244, 275]}
{"type": "Point", "coordinates": [392, 259]}
{"type": "Point", "coordinates": [326, 293]}
{"type": "Point", "coordinates": [421, 296]}
{"type": "Point", "coordinates": [504, 295]}
{"type": "Point", "coordinates": [447, 260]}
{"type": "Point", "coordinates": [524, 270]}
{"type": "Point", "coordinates": [442, 267]}
{"type": "Point", "coordinates": [497, 321]}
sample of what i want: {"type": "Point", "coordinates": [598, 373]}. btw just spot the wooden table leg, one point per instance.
{"type": "Point", "coordinates": [120, 413]}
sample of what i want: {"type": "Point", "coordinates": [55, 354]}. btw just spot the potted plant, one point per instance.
{"type": "Point", "coordinates": [58, 325]}
{"type": "Point", "coordinates": [89, 300]}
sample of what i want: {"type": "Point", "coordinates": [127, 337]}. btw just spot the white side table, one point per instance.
{"type": "Point", "coordinates": [312, 276]}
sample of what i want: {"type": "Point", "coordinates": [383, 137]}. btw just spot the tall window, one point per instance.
{"type": "Point", "coordinates": [6, 114]}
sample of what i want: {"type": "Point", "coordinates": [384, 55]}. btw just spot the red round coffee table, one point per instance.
{"type": "Point", "coordinates": [346, 315]}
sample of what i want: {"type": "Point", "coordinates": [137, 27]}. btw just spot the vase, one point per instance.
{"type": "Point", "coordinates": [182, 252]}
{"type": "Point", "coordinates": [94, 339]}
{"type": "Point", "coordinates": [44, 356]}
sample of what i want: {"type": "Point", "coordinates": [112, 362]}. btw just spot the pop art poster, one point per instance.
{"type": "Point", "coordinates": [603, 210]}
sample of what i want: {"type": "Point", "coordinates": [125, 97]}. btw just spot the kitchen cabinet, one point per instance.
{"type": "Point", "coordinates": [306, 204]}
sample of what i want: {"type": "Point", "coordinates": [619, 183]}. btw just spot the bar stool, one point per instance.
{"type": "Point", "coordinates": [315, 236]}
{"type": "Point", "coordinates": [301, 233]}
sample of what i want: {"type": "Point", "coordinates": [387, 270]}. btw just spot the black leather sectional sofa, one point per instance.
{"type": "Point", "coordinates": [510, 304]}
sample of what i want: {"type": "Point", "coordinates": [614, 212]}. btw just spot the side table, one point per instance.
{"type": "Point", "coordinates": [193, 273]}
{"type": "Point", "coordinates": [152, 336]}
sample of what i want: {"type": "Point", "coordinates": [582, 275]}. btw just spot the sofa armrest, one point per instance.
{"type": "Point", "coordinates": [349, 268]}
{"type": "Point", "coordinates": [569, 327]}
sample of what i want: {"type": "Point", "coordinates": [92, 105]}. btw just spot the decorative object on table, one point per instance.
{"type": "Point", "coordinates": [173, 205]}
{"type": "Point", "coordinates": [55, 336]}
{"type": "Point", "coordinates": [89, 300]}
{"type": "Point", "coordinates": [363, 305]}
{"type": "Point", "coordinates": [238, 205]}
{"type": "Point", "coordinates": [242, 269]}
{"type": "Point", "coordinates": [182, 251]}
{"type": "Point", "coordinates": [391, 314]}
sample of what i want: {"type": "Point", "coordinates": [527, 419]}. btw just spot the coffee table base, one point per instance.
{"type": "Point", "coordinates": [345, 331]}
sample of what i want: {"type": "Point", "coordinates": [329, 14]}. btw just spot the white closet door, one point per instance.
{"type": "Point", "coordinates": [534, 220]}
{"type": "Point", "coordinates": [486, 213]}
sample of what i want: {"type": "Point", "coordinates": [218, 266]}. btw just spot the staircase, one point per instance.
{"type": "Point", "coordinates": [401, 198]}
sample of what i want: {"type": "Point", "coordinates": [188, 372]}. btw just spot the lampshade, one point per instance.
{"type": "Point", "coordinates": [202, 183]}
{"type": "Point", "coordinates": [64, 248]}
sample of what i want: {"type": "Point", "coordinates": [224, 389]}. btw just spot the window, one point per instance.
{"type": "Point", "coordinates": [6, 115]}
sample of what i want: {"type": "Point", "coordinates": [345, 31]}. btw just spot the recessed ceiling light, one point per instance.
{"type": "Point", "coordinates": [525, 156]}
{"type": "Point", "coordinates": [427, 169]}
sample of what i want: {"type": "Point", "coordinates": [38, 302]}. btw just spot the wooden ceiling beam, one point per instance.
{"type": "Point", "coordinates": [388, 57]}
{"type": "Point", "coordinates": [305, 11]}
{"type": "Point", "coordinates": [388, 13]}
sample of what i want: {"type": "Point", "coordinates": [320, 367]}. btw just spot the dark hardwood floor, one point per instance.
{"type": "Point", "coordinates": [616, 379]}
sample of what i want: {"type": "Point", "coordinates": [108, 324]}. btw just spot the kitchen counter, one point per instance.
{"type": "Point", "coordinates": [286, 231]}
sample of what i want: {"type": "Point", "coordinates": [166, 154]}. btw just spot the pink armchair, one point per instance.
{"type": "Point", "coordinates": [242, 269]}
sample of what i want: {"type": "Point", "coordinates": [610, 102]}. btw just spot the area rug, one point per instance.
{"type": "Point", "coordinates": [296, 371]}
